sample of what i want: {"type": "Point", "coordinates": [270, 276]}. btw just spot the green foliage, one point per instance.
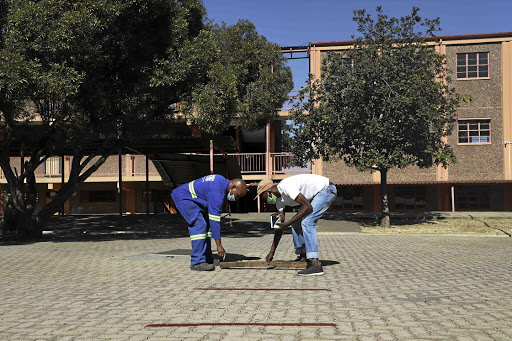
{"type": "Point", "coordinates": [249, 79]}
{"type": "Point", "coordinates": [467, 98]}
{"type": "Point", "coordinates": [286, 136]}
{"type": "Point", "coordinates": [382, 103]}
{"type": "Point", "coordinates": [94, 67]}
{"type": "Point", "coordinates": [95, 74]}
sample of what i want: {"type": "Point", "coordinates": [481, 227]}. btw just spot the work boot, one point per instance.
{"type": "Point", "coordinates": [312, 269]}
{"type": "Point", "coordinates": [203, 267]}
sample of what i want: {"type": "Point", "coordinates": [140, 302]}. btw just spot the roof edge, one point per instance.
{"type": "Point", "coordinates": [433, 38]}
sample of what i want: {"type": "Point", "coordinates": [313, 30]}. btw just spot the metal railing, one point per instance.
{"type": "Point", "coordinates": [253, 163]}
{"type": "Point", "coordinates": [52, 167]}
{"type": "Point", "coordinates": [280, 163]}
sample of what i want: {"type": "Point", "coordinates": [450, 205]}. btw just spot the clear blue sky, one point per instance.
{"type": "Point", "coordinates": [299, 22]}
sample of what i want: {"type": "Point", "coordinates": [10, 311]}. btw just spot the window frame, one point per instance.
{"type": "Point", "coordinates": [339, 204]}
{"type": "Point", "coordinates": [49, 167]}
{"type": "Point", "coordinates": [479, 130]}
{"type": "Point", "coordinates": [466, 66]}
{"type": "Point", "coordinates": [466, 193]}
{"type": "Point", "coordinates": [419, 192]}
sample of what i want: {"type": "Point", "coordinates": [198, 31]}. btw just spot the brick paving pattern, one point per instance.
{"type": "Point", "coordinates": [93, 280]}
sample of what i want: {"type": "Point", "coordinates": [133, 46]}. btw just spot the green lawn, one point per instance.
{"type": "Point", "coordinates": [480, 226]}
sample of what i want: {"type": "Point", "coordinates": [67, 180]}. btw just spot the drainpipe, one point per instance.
{"type": "Point", "coordinates": [62, 180]}
{"type": "Point", "coordinates": [509, 160]}
{"type": "Point", "coordinates": [211, 156]}
{"type": "Point", "coordinates": [268, 171]}
{"type": "Point", "coordinates": [120, 181]}
{"type": "Point", "coordinates": [453, 198]}
{"type": "Point", "coordinates": [147, 185]}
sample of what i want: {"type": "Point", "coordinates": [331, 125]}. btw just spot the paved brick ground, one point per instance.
{"type": "Point", "coordinates": [96, 279]}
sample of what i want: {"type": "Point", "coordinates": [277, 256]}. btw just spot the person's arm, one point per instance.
{"type": "Point", "coordinates": [304, 210]}
{"type": "Point", "coordinates": [277, 237]}
{"type": "Point", "coordinates": [220, 250]}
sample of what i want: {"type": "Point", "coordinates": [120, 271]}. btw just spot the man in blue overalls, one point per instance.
{"type": "Point", "coordinates": [203, 196]}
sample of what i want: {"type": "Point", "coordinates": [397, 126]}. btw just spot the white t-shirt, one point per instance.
{"type": "Point", "coordinates": [306, 184]}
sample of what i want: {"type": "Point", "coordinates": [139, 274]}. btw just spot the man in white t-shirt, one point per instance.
{"type": "Point", "coordinates": [314, 194]}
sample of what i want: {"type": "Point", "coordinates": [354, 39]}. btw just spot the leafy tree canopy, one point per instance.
{"type": "Point", "coordinates": [248, 78]}
{"type": "Point", "coordinates": [386, 102]}
{"type": "Point", "coordinates": [94, 74]}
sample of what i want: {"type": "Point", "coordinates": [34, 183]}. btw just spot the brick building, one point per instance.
{"type": "Point", "coordinates": [482, 141]}
{"type": "Point", "coordinates": [481, 180]}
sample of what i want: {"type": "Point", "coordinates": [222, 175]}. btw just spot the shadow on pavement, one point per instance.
{"type": "Point", "coordinates": [235, 257]}
{"type": "Point", "coordinates": [373, 218]}
{"type": "Point", "coordinates": [326, 262]}
{"type": "Point", "coordinates": [98, 228]}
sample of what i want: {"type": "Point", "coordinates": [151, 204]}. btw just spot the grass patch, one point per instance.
{"type": "Point", "coordinates": [479, 226]}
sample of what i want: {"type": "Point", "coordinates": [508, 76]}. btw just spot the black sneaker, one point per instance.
{"type": "Point", "coordinates": [312, 270]}
{"type": "Point", "coordinates": [203, 267]}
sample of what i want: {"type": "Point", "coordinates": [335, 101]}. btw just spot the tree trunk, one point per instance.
{"type": "Point", "coordinates": [384, 219]}
{"type": "Point", "coordinates": [19, 224]}
{"type": "Point", "coordinates": [58, 201]}
{"type": "Point", "coordinates": [19, 221]}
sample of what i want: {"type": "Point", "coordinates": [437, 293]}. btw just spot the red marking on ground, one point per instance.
{"type": "Point", "coordinates": [263, 289]}
{"type": "Point", "coordinates": [242, 324]}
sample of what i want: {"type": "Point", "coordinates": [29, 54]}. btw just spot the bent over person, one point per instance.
{"type": "Point", "coordinates": [314, 193]}
{"type": "Point", "coordinates": [200, 203]}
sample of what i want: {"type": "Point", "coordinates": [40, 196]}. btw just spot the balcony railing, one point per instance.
{"type": "Point", "coordinates": [53, 167]}
{"type": "Point", "coordinates": [280, 163]}
{"type": "Point", "coordinates": [251, 163]}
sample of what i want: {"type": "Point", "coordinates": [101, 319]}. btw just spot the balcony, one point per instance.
{"type": "Point", "coordinates": [254, 165]}
{"type": "Point", "coordinates": [52, 167]}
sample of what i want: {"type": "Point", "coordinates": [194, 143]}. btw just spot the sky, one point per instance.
{"type": "Point", "coordinates": [299, 22]}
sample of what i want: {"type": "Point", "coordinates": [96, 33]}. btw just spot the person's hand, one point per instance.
{"type": "Point", "coordinates": [221, 252]}
{"type": "Point", "coordinates": [269, 257]}
{"type": "Point", "coordinates": [280, 216]}
{"type": "Point", "coordinates": [282, 225]}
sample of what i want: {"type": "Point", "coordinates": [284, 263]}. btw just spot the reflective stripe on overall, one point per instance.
{"type": "Point", "coordinates": [200, 236]}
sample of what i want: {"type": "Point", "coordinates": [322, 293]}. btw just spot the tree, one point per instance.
{"type": "Point", "coordinates": [85, 77]}
{"type": "Point", "coordinates": [386, 102]}
{"type": "Point", "coordinates": [249, 78]}
{"type": "Point", "coordinates": [76, 76]}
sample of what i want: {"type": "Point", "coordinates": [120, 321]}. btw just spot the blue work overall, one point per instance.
{"type": "Point", "coordinates": [195, 200]}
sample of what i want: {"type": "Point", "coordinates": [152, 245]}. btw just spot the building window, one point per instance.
{"type": "Point", "coordinates": [349, 199]}
{"type": "Point", "coordinates": [473, 65]}
{"type": "Point", "coordinates": [53, 167]}
{"type": "Point", "coordinates": [410, 198]}
{"type": "Point", "coordinates": [98, 196]}
{"type": "Point", "coordinates": [472, 198]}
{"type": "Point", "coordinates": [474, 130]}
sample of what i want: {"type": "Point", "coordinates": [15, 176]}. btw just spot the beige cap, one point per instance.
{"type": "Point", "coordinates": [263, 186]}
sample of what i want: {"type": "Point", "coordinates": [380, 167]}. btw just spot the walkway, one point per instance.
{"type": "Point", "coordinates": [96, 279]}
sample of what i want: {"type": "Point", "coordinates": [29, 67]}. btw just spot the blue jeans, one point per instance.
{"type": "Point", "coordinates": [304, 231]}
